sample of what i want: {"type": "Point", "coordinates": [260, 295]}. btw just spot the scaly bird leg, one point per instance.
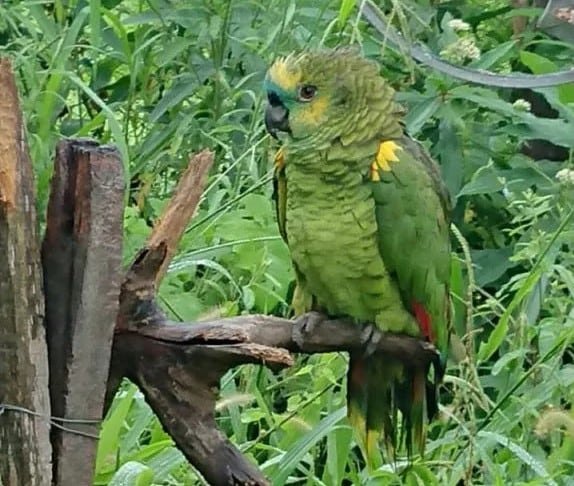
{"type": "Point", "coordinates": [304, 326]}
{"type": "Point", "coordinates": [370, 338]}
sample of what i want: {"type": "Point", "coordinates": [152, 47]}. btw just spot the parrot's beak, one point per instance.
{"type": "Point", "coordinates": [276, 119]}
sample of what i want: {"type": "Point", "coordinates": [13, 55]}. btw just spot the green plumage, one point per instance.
{"type": "Point", "coordinates": [373, 247]}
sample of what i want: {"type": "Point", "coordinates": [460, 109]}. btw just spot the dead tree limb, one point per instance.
{"type": "Point", "coordinates": [25, 451]}
{"type": "Point", "coordinates": [170, 227]}
{"type": "Point", "coordinates": [81, 253]}
{"type": "Point", "coordinates": [178, 365]}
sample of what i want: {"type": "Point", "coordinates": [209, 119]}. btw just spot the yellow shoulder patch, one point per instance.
{"type": "Point", "coordinates": [385, 154]}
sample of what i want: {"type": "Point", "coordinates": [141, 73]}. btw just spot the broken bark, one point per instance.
{"type": "Point", "coordinates": [81, 253]}
{"type": "Point", "coordinates": [178, 366]}
{"type": "Point", "coordinates": [25, 451]}
{"type": "Point", "coordinates": [181, 208]}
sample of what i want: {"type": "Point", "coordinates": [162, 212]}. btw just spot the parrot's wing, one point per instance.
{"type": "Point", "coordinates": [302, 300]}
{"type": "Point", "coordinates": [280, 192]}
{"type": "Point", "coordinates": [412, 215]}
{"type": "Point", "coordinates": [412, 211]}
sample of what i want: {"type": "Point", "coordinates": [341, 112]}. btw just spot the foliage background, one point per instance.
{"type": "Point", "coordinates": [163, 79]}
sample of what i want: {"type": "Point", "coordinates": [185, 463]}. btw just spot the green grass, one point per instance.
{"type": "Point", "coordinates": [164, 79]}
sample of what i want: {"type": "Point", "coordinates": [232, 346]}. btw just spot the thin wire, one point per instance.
{"type": "Point", "coordinates": [53, 420]}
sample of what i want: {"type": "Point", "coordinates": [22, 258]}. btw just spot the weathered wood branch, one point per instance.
{"type": "Point", "coordinates": [81, 256]}
{"type": "Point", "coordinates": [25, 452]}
{"type": "Point", "coordinates": [267, 338]}
{"type": "Point", "coordinates": [181, 208]}
{"type": "Point", "coordinates": [178, 365]}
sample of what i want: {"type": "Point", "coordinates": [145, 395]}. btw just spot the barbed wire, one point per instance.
{"type": "Point", "coordinates": [52, 420]}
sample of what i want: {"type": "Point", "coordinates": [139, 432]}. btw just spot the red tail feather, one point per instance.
{"type": "Point", "coordinates": [424, 320]}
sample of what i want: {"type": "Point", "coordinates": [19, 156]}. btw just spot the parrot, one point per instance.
{"type": "Point", "coordinates": [365, 215]}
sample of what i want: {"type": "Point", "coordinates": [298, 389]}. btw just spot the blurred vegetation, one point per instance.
{"type": "Point", "coordinates": [164, 79]}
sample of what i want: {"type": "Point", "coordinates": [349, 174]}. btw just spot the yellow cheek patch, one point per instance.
{"type": "Point", "coordinates": [283, 76]}
{"type": "Point", "coordinates": [312, 114]}
{"type": "Point", "coordinates": [385, 154]}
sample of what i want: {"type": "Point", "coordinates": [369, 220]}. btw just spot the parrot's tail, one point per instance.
{"type": "Point", "coordinates": [378, 387]}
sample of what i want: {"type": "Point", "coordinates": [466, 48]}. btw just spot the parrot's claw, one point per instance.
{"type": "Point", "coordinates": [304, 326]}
{"type": "Point", "coordinates": [371, 337]}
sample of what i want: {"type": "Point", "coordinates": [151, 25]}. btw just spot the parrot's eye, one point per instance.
{"type": "Point", "coordinates": [306, 92]}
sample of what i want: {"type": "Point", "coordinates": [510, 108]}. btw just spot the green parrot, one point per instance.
{"type": "Point", "coordinates": [365, 215]}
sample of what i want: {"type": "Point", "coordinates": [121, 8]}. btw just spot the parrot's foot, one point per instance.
{"type": "Point", "coordinates": [370, 338]}
{"type": "Point", "coordinates": [304, 326]}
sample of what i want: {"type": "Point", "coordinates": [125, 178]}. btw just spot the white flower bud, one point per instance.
{"type": "Point", "coordinates": [565, 176]}
{"type": "Point", "coordinates": [521, 105]}
{"type": "Point", "coordinates": [458, 25]}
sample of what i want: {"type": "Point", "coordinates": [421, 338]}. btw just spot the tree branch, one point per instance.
{"type": "Point", "coordinates": [178, 365]}
{"type": "Point", "coordinates": [181, 207]}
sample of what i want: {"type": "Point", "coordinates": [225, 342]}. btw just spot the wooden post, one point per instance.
{"type": "Point", "coordinates": [25, 451]}
{"type": "Point", "coordinates": [81, 255]}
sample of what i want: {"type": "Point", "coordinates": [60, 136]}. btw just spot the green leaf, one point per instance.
{"type": "Point", "coordinates": [490, 264]}
{"type": "Point", "coordinates": [526, 125]}
{"type": "Point", "coordinates": [339, 443]}
{"type": "Point", "coordinates": [506, 359]}
{"type": "Point", "coordinates": [536, 63]}
{"type": "Point", "coordinates": [420, 475]}
{"type": "Point", "coordinates": [524, 456]}
{"type": "Point", "coordinates": [182, 88]}
{"type": "Point", "coordinates": [294, 455]}
{"type": "Point", "coordinates": [142, 416]}
{"type": "Point", "coordinates": [449, 151]}
{"type": "Point", "coordinates": [132, 474]}
{"type": "Point", "coordinates": [495, 340]}
{"type": "Point", "coordinates": [95, 23]}
{"type": "Point", "coordinates": [112, 426]}
{"type": "Point", "coordinates": [345, 10]}
{"type": "Point", "coordinates": [166, 462]}
{"type": "Point", "coordinates": [248, 297]}
{"type": "Point", "coordinates": [489, 58]}
{"type": "Point", "coordinates": [420, 113]}
{"type": "Point", "coordinates": [484, 181]}
{"type": "Point", "coordinates": [541, 65]}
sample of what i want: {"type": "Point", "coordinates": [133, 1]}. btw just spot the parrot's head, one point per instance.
{"type": "Point", "coordinates": [325, 95]}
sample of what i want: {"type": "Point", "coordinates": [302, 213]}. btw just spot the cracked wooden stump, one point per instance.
{"type": "Point", "coordinates": [25, 451]}
{"type": "Point", "coordinates": [81, 256]}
